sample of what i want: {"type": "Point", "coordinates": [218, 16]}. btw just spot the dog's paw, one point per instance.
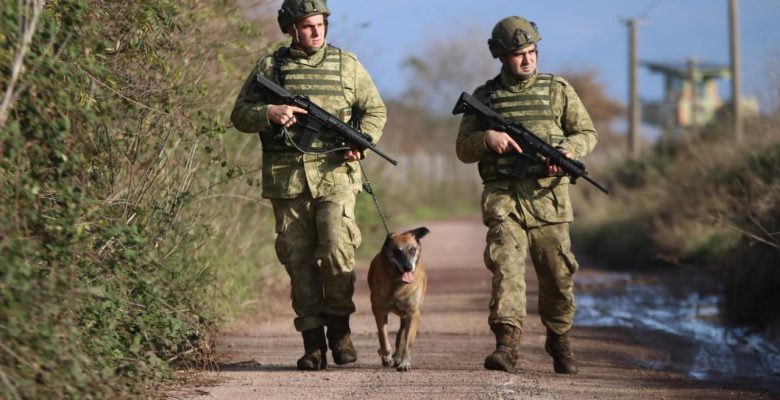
{"type": "Point", "coordinates": [396, 359]}
{"type": "Point", "coordinates": [387, 361]}
{"type": "Point", "coordinates": [404, 366]}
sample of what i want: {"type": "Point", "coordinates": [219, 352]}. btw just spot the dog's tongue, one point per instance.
{"type": "Point", "coordinates": [407, 277]}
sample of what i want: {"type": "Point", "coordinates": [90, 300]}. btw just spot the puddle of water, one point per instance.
{"type": "Point", "coordinates": [722, 351]}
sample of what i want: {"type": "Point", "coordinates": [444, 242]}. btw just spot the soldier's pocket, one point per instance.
{"type": "Point", "coordinates": [550, 202]}
{"type": "Point", "coordinates": [568, 256]}
{"type": "Point", "coordinates": [282, 245]}
{"type": "Point", "coordinates": [571, 262]}
{"type": "Point", "coordinates": [337, 173]}
{"type": "Point", "coordinates": [497, 205]}
{"type": "Point", "coordinates": [491, 241]}
{"type": "Point", "coordinates": [501, 244]}
{"type": "Point", "coordinates": [276, 175]}
{"type": "Point", "coordinates": [352, 230]}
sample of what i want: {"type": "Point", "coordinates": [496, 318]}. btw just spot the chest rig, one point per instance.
{"type": "Point", "coordinates": [531, 107]}
{"type": "Point", "coordinates": [322, 82]}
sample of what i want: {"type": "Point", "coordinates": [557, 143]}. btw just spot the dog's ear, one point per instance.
{"type": "Point", "coordinates": [388, 239]}
{"type": "Point", "coordinates": [419, 232]}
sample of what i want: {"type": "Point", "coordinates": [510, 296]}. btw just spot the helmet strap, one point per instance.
{"type": "Point", "coordinates": [296, 36]}
{"type": "Point", "coordinates": [325, 17]}
{"type": "Point", "coordinates": [537, 55]}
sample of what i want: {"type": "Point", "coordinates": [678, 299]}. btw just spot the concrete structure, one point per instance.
{"type": "Point", "coordinates": [687, 87]}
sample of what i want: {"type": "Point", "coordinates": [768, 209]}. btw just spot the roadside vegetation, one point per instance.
{"type": "Point", "coordinates": [131, 223]}
{"type": "Point", "coordinates": [702, 202]}
{"type": "Point", "coordinates": [112, 233]}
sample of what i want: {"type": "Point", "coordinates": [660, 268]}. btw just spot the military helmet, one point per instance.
{"type": "Point", "coordinates": [296, 10]}
{"type": "Point", "coordinates": [512, 33]}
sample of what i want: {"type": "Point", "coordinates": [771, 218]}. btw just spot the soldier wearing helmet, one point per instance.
{"type": "Point", "coordinates": [531, 214]}
{"type": "Point", "coordinates": [313, 191]}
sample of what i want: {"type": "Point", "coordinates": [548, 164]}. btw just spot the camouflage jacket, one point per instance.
{"type": "Point", "coordinates": [540, 199]}
{"type": "Point", "coordinates": [288, 173]}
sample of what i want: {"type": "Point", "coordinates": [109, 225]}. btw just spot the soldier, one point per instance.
{"type": "Point", "coordinates": [533, 213]}
{"type": "Point", "coordinates": [313, 192]}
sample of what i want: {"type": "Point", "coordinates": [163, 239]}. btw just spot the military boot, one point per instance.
{"type": "Point", "coordinates": [563, 358]}
{"type": "Point", "coordinates": [339, 340]}
{"type": "Point", "coordinates": [507, 348]}
{"type": "Point", "coordinates": [316, 350]}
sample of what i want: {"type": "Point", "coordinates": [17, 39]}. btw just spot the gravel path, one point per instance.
{"type": "Point", "coordinates": [257, 358]}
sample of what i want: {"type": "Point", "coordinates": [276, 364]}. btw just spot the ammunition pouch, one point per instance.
{"type": "Point", "coordinates": [514, 166]}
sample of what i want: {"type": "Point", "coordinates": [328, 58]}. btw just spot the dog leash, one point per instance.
{"type": "Point", "coordinates": [369, 190]}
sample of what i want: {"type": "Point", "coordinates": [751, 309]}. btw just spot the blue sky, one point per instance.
{"type": "Point", "coordinates": [575, 34]}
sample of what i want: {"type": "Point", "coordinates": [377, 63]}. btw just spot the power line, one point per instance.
{"type": "Point", "coordinates": [649, 9]}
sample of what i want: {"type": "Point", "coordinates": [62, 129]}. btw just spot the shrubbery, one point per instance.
{"type": "Point", "coordinates": [708, 203]}
{"type": "Point", "coordinates": [108, 161]}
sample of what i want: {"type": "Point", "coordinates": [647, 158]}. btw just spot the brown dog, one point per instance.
{"type": "Point", "coordinates": [398, 281]}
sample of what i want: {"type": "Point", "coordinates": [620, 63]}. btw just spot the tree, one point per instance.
{"type": "Point", "coordinates": [602, 109]}
{"type": "Point", "coordinates": [446, 67]}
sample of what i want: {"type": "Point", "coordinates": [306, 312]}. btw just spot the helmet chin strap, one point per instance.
{"type": "Point", "coordinates": [296, 37]}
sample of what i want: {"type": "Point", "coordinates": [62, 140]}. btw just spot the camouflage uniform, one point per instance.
{"type": "Point", "coordinates": [313, 195]}
{"type": "Point", "coordinates": [533, 213]}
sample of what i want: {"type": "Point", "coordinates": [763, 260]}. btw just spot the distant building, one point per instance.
{"type": "Point", "coordinates": [675, 111]}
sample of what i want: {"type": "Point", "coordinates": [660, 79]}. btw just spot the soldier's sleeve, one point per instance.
{"type": "Point", "coordinates": [581, 136]}
{"type": "Point", "coordinates": [250, 113]}
{"type": "Point", "coordinates": [368, 101]}
{"type": "Point", "coordinates": [470, 145]}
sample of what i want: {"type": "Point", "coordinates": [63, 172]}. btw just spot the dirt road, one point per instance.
{"type": "Point", "coordinates": [257, 359]}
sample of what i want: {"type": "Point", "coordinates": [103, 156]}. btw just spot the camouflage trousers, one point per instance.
{"type": "Point", "coordinates": [508, 243]}
{"type": "Point", "coordinates": [316, 242]}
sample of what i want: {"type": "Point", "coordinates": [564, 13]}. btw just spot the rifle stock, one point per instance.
{"type": "Point", "coordinates": [527, 140]}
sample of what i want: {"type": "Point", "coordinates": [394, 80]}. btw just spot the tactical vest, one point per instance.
{"type": "Point", "coordinates": [531, 107]}
{"type": "Point", "coordinates": [322, 83]}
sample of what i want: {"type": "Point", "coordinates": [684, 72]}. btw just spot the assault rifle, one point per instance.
{"type": "Point", "coordinates": [531, 144]}
{"type": "Point", "coordinates": [318, 119]}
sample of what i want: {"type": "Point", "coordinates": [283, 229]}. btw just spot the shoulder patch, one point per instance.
{"type": "Point", "coordinates": [561, 80]}
{"type": "Point", "coordinates": [265, 64]}
{"type": "Point", "coordinates": [349, 55]}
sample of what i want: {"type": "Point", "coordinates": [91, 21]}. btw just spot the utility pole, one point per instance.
{"type": "Point", "coordinates": [693, 71]}
{"type": "Point", "coordinates": [633, 93]}
{"type": "Point", "coordinates": [736, 84]}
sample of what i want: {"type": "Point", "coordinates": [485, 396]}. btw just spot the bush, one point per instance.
{"type": "Point", "coordinates": [711, 204]}
{"type": "Point", "coordinates": [107, 168]}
